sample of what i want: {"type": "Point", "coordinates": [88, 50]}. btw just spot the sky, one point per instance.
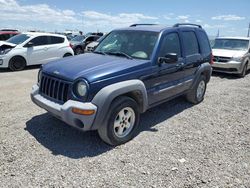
{"type": "Point", "coordinates": [230, 17]}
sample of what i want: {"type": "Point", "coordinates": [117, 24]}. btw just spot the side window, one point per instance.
{"type": "Point", "coordinates": [204, 43]}
{"type": "Point", "coordinates": [171, 44]}
{"type": "Point", "coordinates": [190, 43]}
{"type": "Point", "coordinates": [56, 40]}
{"type": "Point", "coordinates": [39, 41]}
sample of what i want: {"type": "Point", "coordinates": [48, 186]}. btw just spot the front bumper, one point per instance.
{"type": "Point", "coordinates": [64, 112]}
{"type": "Point", "coordinates": [233, 67]}
{"type": "Point", "coordinates": [4, 61]}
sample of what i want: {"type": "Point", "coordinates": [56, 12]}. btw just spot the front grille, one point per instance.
{"type": "Point", "coordinates": [221, 59]}
{"type": "Point", "coordinates": [54, 88]}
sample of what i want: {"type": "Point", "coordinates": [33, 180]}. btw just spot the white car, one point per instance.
{"type": "Point", "coordinates": [231, 55]}
{"type": "Point", "coordinates": [32, 49]}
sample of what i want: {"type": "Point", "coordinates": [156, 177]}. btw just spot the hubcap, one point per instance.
{"type": "Point", "coordinates": [124, 122]}
{"type": "Point", "coordinates": [201, 89]}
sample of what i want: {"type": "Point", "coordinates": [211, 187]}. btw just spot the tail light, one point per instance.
{"type": "Point", "coordinates": [70, 45]}
{"type": "Point", "coordinates": [212, 59]}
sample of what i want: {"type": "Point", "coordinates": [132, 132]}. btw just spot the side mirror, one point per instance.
{"type": "Point", "coordinates": [29, 44]}
{"type": "Point", "coordinates": [169, 58]}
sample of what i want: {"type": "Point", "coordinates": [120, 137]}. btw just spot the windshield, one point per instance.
{"type": "Point", "coordinates": [78, 38]}
{"type": "Point", "coordinates": [231, 44]}
{"type": "Point", "coordinates": [136, 44]}
{"type": "Point", "coordinates": [18, 39]}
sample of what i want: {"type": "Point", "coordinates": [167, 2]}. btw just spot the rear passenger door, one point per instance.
{"type": "Point", "coordinates": [191, 51]}
{"type": "Point", "coordinates": [55, 48]}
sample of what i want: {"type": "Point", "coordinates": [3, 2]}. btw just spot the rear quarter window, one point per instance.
{"type": "Point", "coordinates": [190, 41]}
{"type": "Point", "coordinates": [56, 40]}
{"type": "Point", "coordinates": [204, 43]}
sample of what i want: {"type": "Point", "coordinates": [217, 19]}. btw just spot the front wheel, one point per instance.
{"type": "Point", "coordinates": [121, 123]}
{"type": "Point", "coordinates": [244, 71]}
{"type": "Point", "coordinates": [17, 63]}
{"type": "Point", "coordinates": [196, 95]}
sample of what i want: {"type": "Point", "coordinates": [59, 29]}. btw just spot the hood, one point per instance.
{"type": "Point", "coordinates": [229, 53]}
{"type": "Point", "coordinates": [4, 43]}
{"type": "Point", "coordinates": [93, 44]}
{"type": "Point", "coordinates": [93, 67]}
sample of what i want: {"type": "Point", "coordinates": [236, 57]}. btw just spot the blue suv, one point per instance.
{"type": "Point", "coordinates": [130, 71]}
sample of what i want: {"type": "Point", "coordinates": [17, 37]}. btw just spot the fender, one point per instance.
{"type": "Point", "coordinates": [106, 95]}
{"type": "Point", "coordinates": [206, 69]}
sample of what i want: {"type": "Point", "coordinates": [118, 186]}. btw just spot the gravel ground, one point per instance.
{"type": "Point", "coordinates": [179, 145]}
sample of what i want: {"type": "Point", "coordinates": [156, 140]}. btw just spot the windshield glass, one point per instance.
{"type": "Point", "coordinates": [78, 38]}
{"type": "Point", "coordinates": [231, 44]}
{"type": "Point", "coordinates": [136, 44]}
{"type": "Point", "coordinates": [18, 39]}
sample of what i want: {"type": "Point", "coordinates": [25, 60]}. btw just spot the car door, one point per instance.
{"type": "Point", "coordinates": [38, 52]}
{"type": "Point", "coordinates": [168, 79]}
{"type": "Point", "coordinates": [55, 48]}
{"type": "Point", "coordinates": [192, 52]}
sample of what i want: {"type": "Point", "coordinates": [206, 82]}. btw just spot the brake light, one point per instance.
{"type": "Point", "coordinates": [212, 59]}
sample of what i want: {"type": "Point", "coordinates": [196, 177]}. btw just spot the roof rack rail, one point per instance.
{"type": "Point", "coordinates": [187, 24]}
{"type": "Point", "coordinates": [134, 25]}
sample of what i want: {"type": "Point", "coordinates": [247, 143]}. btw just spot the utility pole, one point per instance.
{"type": "Point", "coordinates": [218, 33]}
{"type": "Point", "coordinates": [248, 30]}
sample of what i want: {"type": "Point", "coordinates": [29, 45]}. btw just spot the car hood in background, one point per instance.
{"type": "Point", "coordinates": [229, 53]}
{"type": "Point", "coordinates": [93, 67]}
{"type": "Point", "coordinates": [4, 43]}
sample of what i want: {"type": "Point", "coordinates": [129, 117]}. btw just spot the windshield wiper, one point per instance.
{"type": "Point", "coordinates": [99, 52]}
{"type": "Point", "coordinates": [120, 54]}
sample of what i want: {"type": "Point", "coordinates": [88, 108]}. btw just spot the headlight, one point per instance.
{"type": "Point", "coordinates": [3, 52]}
{"type": "Point", "coordinates": [237, 58]}
{"type": "Point", "coordinates": [81, 89]}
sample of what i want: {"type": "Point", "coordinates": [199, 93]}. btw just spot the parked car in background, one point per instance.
{"type": "Point", "coordinates": [5, 35]}
{"type": "Point", "coordinates": [95, 33]}
{"type": "Point", "coordinates": [91, 46]}
{"type": "Point", "coordinates": [131, 70]}
{"type": "Point", "coordinates": [231, 55]}
{"type": "Point", "coordinates": [33, 48]}
{"type": "Point", "coordinates": [80, 42]}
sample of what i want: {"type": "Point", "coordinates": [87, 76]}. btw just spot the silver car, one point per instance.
{"type": "Point", "coordinates": [231, 55]}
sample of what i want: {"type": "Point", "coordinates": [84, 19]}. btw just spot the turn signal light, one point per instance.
{"type": "Point", "coordinates": [83, 112]}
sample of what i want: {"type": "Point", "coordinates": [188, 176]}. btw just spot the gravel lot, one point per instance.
{"type": "Point", "coordinates": [179, 145]}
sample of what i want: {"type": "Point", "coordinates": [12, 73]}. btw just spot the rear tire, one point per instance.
{"type": "Point", "coordinates": [17, 63]}
{"type": "Point", "coordinates": [196, 95]}
{"type": "Point", "coordinates": [67, 55]}
{"type": "Point", "coordinates": [121, 123]}
{"type": "Point", "coordinates": [78, 51]}
{"type": "Point", "coordinates": [244, 71]}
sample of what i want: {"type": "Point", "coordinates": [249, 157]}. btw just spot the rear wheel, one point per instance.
{"type": "Point", "coordinates": [78, 51]}
{"type": "Point", "coordinates": [121, 123]}
{"type": "Point", "coordinates": [17, 63]}
{"type": "Point", "coordinates": [67, 55]}
{"type": "Point", "coordinates": [244, 71]}
{"type": "Point", "coordinates": [196, 95]}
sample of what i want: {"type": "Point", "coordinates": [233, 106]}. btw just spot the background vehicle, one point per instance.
{"type": "Point", "coordinates": [32, 49]}
{"type": "Point", "coordinates": [5, 35]}
{"type": "Point", "coordinates": [79, 42]}
{"type": "Point", "coordinates": [91, 46]}
{"type": "Point", "coordinates": [231, 55]}
{"type": "Point", "coordinates": [131, 70]}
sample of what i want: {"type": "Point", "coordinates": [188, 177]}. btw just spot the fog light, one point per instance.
{"type": "Point", "coordinates": [1, 61]}
{"type": "Point", "coordinates": [83, 112]}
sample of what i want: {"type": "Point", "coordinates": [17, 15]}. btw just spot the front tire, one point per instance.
{"type": "Point", "coordinates": [122, 122]}
{"type": "Point", "coordinates": [17, 63]}
{"type": "Point", "coordinates": [244, 72]}
{"type": "Point", "coordinates": [196, 95]}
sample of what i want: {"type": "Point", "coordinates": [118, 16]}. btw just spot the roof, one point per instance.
{"type": "Point", "coordinates": [153, 28]}
{"type": "Point", "coordinates": [43, 34]}
{"type": "Point", "coordinates": [239, 38]}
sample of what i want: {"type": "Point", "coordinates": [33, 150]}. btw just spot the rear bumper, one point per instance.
{"type": "Point", "coordinates": [64, 112]}
{"type": "Point", "coordinates": [233, 67]}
